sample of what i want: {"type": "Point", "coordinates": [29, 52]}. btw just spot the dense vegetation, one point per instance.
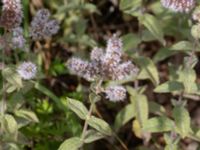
{"type": "Point", "coordinates": [100, 75]}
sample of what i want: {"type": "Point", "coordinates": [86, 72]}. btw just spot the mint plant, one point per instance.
{"type": "Point", "coordinates": [148, 116]}
{"type": "Point", "coordinates": [18, 75]}
{"type": "Point", "coordinates": [121, 74]}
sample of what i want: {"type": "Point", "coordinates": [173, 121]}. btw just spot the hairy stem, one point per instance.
{"type": "Point", "coordinates": [86, 121]}
{"type": "Point", "coordinates": [121, 142]}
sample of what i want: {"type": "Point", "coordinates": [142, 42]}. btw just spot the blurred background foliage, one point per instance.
{"type": "Point", "coordinates": [147, 29]}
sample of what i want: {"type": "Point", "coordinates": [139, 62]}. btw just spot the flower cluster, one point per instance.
{"type": "Point", "coordinates": [179, 5]}
{"type": "Point", "coordinates": [12, 14]}
{"type": "Point", "coordinates": [107, 65]}
{"type": "Point", "coordinates": [115, 93]}
{"type": "Point", "coordinates": [81, 68]}
{"type": "Point", "coordinates": [42, 26]}
{"type": "Point", "coordinates": [18, 40]}
{"type": "Point", "coordinates": [27, 70]}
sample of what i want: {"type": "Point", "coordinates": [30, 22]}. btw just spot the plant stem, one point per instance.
{"type": "Point", "coordinates": [121, 142]}
{"type": "Point", "coordinates": [86, 121]}
{"type": "Point", "coordinates": [116, 136]}
{"type": "Point", "coordinates": [180, 97]}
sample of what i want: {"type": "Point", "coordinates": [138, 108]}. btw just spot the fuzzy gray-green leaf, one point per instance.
{"type": "Point", "coordinates": [12, 77]}
{"type": "Point", "coordinates": [92, 135]}
{"type": "Point", "coordinates": [100, 125]}
{"type": "Point", "coordinates": [153, 25]}
{"type": "Point", "coordinates": [148, 69]}
{"type": "Point", "coordinates": [77, 107]}
{"type": "Point", "coordinates": [73, 143]}
{"type": "Point", "coordinates": [182, 46]}
{"type": "Point", "coordinates": [125, 115]}
{"type": "Point", "coordinates": [158, 124]}
{"type": "Point", "coordinates": [27, 114]}
{"type": "Point", "coordinates": [140, 104]}
{"type": "Point", "coordinates": [169, 86]}
{"type": "Point", "coordinates": [182, 120]}
{"type": "Point", "coordinates": [10, 124]}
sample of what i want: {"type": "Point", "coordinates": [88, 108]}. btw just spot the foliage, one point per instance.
{"type": "Point", "coordinates": [152, 104]}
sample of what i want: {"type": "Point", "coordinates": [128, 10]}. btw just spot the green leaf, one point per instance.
{"type": "Point", "coordinates": [156, 108]}
{"type": "Point", "coordinates": [162, 54]}
{"type": "Point", "coordinates": [124, 116]}
{"type": "Point", "coordinates": [10, 124]}
{"type": "Point", "coordinates": [11, 88]}
{"type": "Point", "coordinates": [198, 134]}
{"type": "Point", "coordinates": [182, 46]}
{"type": "Point", "coordinates": [141, 108]}
{"type": "Point", "coordinates": [147, 36]}
{"type": "Point", "coordinates": [77, 107]}
{"type": "Point", "coordinates": [190, 61]}
{"type": "Point", "coordinates": [148, 69]}
{"type": "Point", "coordinates": [80, 27]}
{"type": "Point", "coordinates": [100, 125]}
{"type": "Point", "coordinates": [158, 124]}
{"type": "Point", "coordinates": [71, 144]}
{"type": "Point", "coordinates": [169, 86]}
{"type": "Point", "coordinates": [12, 77]}
{"type": "Point", "coordinates": [130, 41]}
{"type": "Point", "coordinates": [171, 147]}
{"type": "Point", "coordinates": [133, 91]}
{"type": "Point", "coordinates": [127, 4]}
{"type": "Point", "coordinates": [171, 141]}
{"type": "Point", "coordinates": [136, 128]}
{"type": "Point", "coordinates": [92, 135]}
{"type": "Point", "coordinates": [130, 6]}
{"type": "Point", "coordinates": [27, 114]}
{"type": "Point", "coordinates": [92, 8]}
{"type": "Point", "coordinates": [153, 25]}
{"type": "Point", "coordinates": [11, 146]}
{"type": "Point", "coordinates": [182, 120]}
{"type": "Point", "coordinates": [173, 72]}
{"type": "Point", "coordinates": [188, 76]}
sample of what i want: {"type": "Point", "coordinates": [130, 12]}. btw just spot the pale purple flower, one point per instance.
{"type": "Point", "coordinates": [11, 16]}
{"type": "Point", "coordinates": [96, 54]}
{"type": "Point", "coordinates": [96, 57]}
{"type": "Point", "coordinates": [112, 57]}
{"type": "Point", "coordinates": [27, 70]}
{"type": "Point", "coordinates": [124, 70]}
{"type": "Point", "coordinates": [179, 5]}
{"type": "Point", "coordinates": [51, 28]}
{"type": "Point", "coordinates": [41, 17]}
{"type": "Point", "coordinates": [114, 45]}
{"type": "Point", "coordinates": [18, 40]}
{"type": "Point", "coordinates": [115, 93]}
{"type": "Point", "coordinates": [42, 26]}
{"type": "Point", "coordinates": [81, 68]}
{"type": "Point", "coordinates": [108, 66]}
{"type": "Point", "coordinates": [113, 52]}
